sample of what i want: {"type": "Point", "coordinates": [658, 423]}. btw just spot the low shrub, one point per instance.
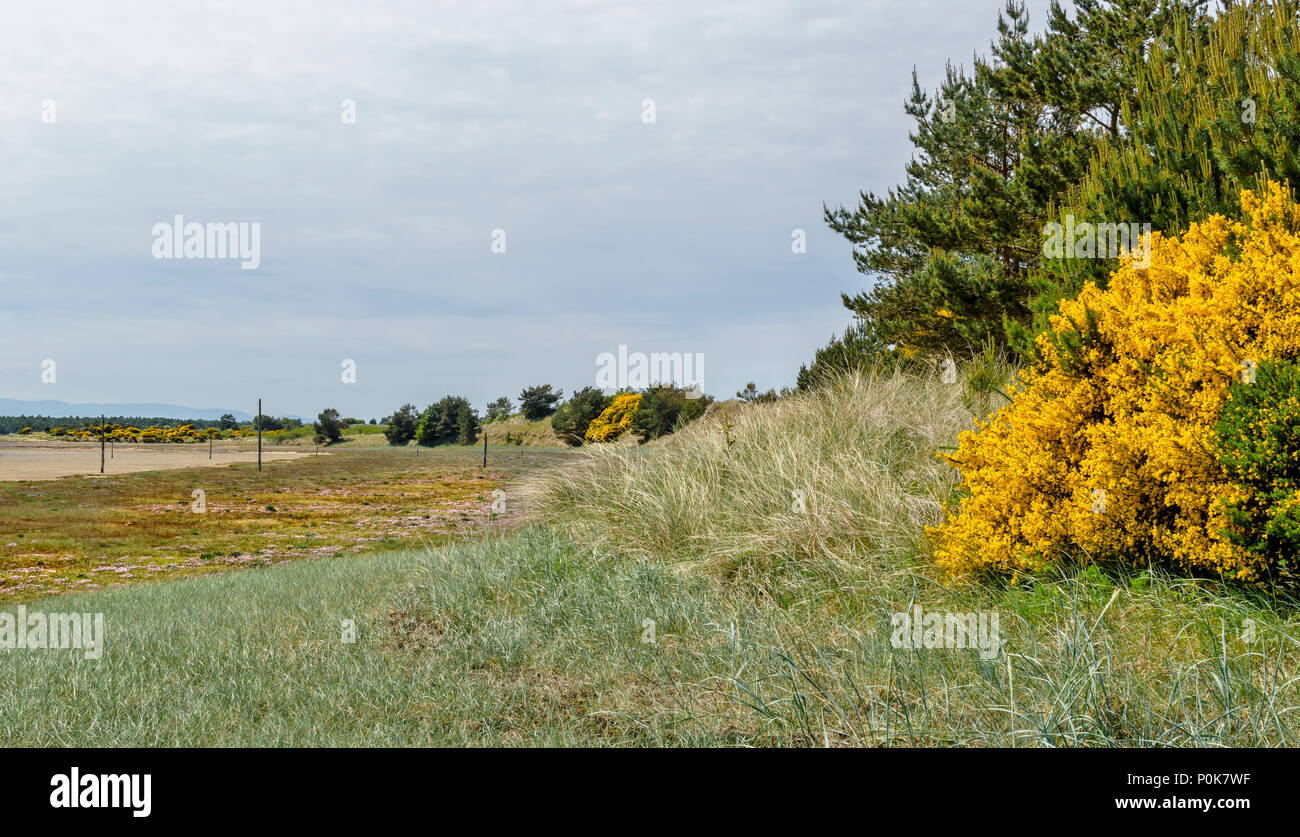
{"type": "Point", "coordinates": [1257, 443]}
{"type": "Point", "coordinates": [1107, 451]}
{"type": "Point", "coordinates": [615, 420]}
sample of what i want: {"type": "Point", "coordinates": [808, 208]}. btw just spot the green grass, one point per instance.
{"type": "Point", "coordinates": [527, 639]}
{"type": "Point", "coordinates": [510, 640]}
{"type": "Point", "coordinates": [772, 622]}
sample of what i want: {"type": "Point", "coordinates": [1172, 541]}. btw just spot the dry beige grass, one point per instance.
{"type": "Point", "coordinates": [1083, 659]}
{"type": "Point", "coordinates": [771, 626]}
{"type": "Point", "coordinates": [846, 472]}
{"type": "Point", "coordinates": [518, 430]}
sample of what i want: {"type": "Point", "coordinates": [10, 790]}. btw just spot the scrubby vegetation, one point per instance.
{"type": "Point", "coordinates": [451, 420]}
{"type": "Point", "coordinates": [664, 409]}
{"type": "Point", "coordinates": [329, 426]}
{"type": "Point", "coordinates": [1092, 452]}
{"type": "Point", "coordinates": [1256, 439]}
{"type": "Point", "coordinates": [147, 430]}
{"type": "Point", "coordinates": [538, 402]}
{"type": "Point", "coordinates": [545, 419]}
{"type": "Point", "coordinates": [614, 420]}
{"type": "Point", "coordinates": [814, 510]}
{"type": "Point", "coordinates": [733, 584]}
{"type": "Point", "coordinates": [85, 533]}
{"type": "Point", "coordinates": [401, 426]}
{"type": "Point", "coordinates": [1120, 112]}
{"type": "Point", "coordinates": [1108, 451]}
{"type": "Point", "coordinates": [499, 410]}
{"type": "Point", "coordinates": [519, 431]}
{"type": "Point", "coordinates": [834, 470]}
{"type": "Point", "coordinates": [574, 416]}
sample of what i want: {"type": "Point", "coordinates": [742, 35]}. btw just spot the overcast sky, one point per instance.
{"type": "Point", "coordinates": [376, 236]}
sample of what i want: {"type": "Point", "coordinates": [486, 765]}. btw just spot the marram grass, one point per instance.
{"type": "Point", "coordinates": [675, 596]}
{"type": "Point", "coordinates": [531, 640]}
{"type": "Point", "coordinates": [847, 474]}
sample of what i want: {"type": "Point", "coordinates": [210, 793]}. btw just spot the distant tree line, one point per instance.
{"type": "Point", "coordinates": [663, 409]}
{"type": "Point", "coordinates": [13, 424]}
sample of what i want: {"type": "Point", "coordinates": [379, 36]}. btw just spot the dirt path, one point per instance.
{"type": "Point", "coordinates": [36, 461]}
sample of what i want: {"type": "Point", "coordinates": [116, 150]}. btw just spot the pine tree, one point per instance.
{"type": "Point", "coordinates": [539, 402]}
{"type": "Point", "coordinates": [571, 420]}
{"type": "Point", "coordinates": [447, 421]}
{"type": "Point", "coordinates": [1216, 110]}
{"type": "Point", "coordinates": [499, 410]}
{"type": "Point", "coordinates": [956, 251]}
{"type": "Point", "coordinates": [401, 426]}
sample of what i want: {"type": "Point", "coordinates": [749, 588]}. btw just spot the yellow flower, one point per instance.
{"type": "Point", "coordinates": [1131, 411]}
{"type": "Point", "coordinates": [616, 418]}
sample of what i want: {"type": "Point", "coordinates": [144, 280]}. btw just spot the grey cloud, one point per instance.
{"type": "Point", "coordinates": [471, 117]}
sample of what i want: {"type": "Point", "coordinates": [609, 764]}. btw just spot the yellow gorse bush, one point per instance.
{"type": "Point", "coordinates": [1106, 451]}
{"type": "Point", "coordinates": [615, 419]}
{"type": "Point", "coordinates": [150, 434]}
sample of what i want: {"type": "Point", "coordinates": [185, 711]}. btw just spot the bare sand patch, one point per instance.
{"type": "Point", "coordinates": [36, 461]}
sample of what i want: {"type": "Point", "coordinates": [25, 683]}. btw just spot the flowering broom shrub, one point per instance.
{"type": "Point", "coordinates": [151, 434]}
{"type": "Point", "coordinates": [616, 418]}
{"type": "Point", "coordinates": [1108, 448]}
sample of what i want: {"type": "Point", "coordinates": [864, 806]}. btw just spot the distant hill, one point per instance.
{"type": "Point", "coordinates": [62, 409]}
